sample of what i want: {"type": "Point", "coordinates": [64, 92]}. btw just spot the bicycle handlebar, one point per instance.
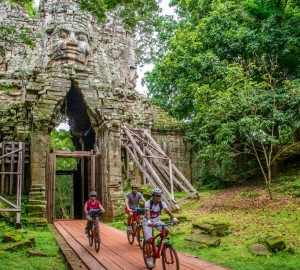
{"type": "Point", "coordinates": [95, 212]}
{"type": "Point", "coordinates": [139, 211]}
{"type": "Point", "coordinates": [164, 225]}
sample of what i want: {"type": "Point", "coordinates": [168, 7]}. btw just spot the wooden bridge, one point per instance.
{"type": "Point", "coordinates": [115, 252]}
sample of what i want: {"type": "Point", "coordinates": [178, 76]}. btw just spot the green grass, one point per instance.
{"type": "Point", "coordinates": [250, 215]}
{"type": "Point", "coordinates": [20, 259]}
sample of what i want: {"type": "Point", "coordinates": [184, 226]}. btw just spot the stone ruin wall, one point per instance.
{"type": "Point", "coordinates": [34, 84]}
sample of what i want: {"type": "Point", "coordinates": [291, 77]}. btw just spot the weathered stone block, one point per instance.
{"type": "Point", "coordinates": [259, 249]}
{"type": "Point", "coordinates": [205, 239]}
{"type": "Point", "coordinates": [275, 243]}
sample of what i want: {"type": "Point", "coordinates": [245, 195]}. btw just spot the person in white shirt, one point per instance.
{"type": "Point", "coordinates": [153, 210]}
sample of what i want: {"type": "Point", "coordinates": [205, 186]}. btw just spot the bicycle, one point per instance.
{"type": "Point", "coordinates": [165, 249]}
{"type": "Point", "coordinates": [94, 233]}
{"type": "Point", "coordinates": [136, 227]}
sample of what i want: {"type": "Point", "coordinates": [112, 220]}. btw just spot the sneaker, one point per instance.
{"type": "Point", "coordinates": [128, 228]}
{"type": "Point", "coordinates": [150, 263]}
{"type": "Point", "coordinates": [86, 231]}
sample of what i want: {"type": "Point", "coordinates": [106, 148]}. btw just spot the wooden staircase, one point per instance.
{"type": "Point", "coordinates": [156, 166]}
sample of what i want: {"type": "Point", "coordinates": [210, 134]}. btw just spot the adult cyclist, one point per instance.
{"type": "Point", "coordinates": [153, 210]}
{"type": "Point", "coordinates": [131, 202]}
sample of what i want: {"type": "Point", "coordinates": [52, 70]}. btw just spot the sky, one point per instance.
{"type": "Point", "coordinates": [143, 90]}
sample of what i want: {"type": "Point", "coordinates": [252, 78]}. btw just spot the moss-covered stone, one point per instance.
{"type": "Point", "coordinates": [12, 236]}
{"type": "Point", "coordinates": [259, 249]}
{"type": "Point", "coordinates": [212, 228]}
{"type": "Point", "coordinates": [210, 241]}
{"type": "Point", "coordinates": [275, 243]}
{"type": "Point", "coordinates": [39, 222]}
{"type": "Point", "coordinates": [193, 245]}
{"type": "Point", "coordinates": [26, 243]}
{"type": "Point", "coordinates": [34, 253]}
{"type": "Point", "coordinates": [35, 208]}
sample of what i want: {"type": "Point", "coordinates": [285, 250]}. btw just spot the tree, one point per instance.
{"type": "Point", "coordinates": [247, 117]}
{"type": "Point", "coordinates": [231, 73]}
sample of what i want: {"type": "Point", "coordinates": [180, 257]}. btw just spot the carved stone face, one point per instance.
{"type": "Point", "coordinates": [69, 44]}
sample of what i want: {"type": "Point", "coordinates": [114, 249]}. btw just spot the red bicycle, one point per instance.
{"type": "Point", "coordinates": [136, 227]}
{"type": "Point", "coordinates": [163, 248]}
{"type": "Point", "coordinates": [94, 233]}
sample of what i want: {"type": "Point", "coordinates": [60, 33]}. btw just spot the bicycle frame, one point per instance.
{"type": "Point", "coordinates": [164, 249]}
{"type": "Point", "coordinates": [136, 227]}
{"type": "Point", "coordinates": [158, 250]}
{"type": "Point", "coordinates": [95, 226]}
{"type": "Point", "coordinates": [94, 236]}
{"type": "Point", "coordinates": [135, 223]}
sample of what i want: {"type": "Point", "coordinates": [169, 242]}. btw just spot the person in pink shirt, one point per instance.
{"type": "Point", "coordinates": [92, 203]}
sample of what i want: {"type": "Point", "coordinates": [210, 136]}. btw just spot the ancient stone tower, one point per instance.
{"type": "Point", "coordinates": [87, 72]}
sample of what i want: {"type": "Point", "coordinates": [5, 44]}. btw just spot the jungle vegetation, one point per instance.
{"type": "Point", "coordinates": [230, 70]}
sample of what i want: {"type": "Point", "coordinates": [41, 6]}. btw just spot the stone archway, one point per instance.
{"type": "Point", "coordinates": [87, 71]}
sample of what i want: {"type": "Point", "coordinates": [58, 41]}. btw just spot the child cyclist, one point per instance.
{"type": "Point", "coordinates": [131, 202]}
{"type": "Point", "coordinates": [92, 203]}
{"type": "Point", "coordinates": [153, 209]}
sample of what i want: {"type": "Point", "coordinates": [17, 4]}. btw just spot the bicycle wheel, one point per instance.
{"type": "Point", "coordinates": [97, 240]}
{"type": "Point", "coordinates": [169, 257]}
{"type": "Point", "coordinates": [145, 255]}
{"type": "Point", "coordinates": [140, 236]}
{"type": "Point", "coordinates": [130, 236]}
{"type": "Point", "coordinates": [91, 237]}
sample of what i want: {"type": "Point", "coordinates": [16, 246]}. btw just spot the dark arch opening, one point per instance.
{"type": "Point", "coordinates": [83, 135]}
{"type": "Point", "coordinates": [83, 138]}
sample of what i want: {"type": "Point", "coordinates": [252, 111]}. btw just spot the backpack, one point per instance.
{"type": "Point", "coordinates": [159, 203]}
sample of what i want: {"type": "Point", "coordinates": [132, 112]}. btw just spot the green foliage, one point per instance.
{"type": "Point", "coordinates": [132, 12]}
{"type": "Point", "coordinates": [230, 72]}
{"type": "Point", "coordinates": [45, 241]}
{"type": "Point", "coordinates": [62, 140]}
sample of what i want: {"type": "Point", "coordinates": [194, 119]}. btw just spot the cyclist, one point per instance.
{"type": "Point", "coordinates": [92, 203]}
{"type": "Point", "coordinates": [153, 210]}
{"type": "Point", "coordinates": [131, 202]}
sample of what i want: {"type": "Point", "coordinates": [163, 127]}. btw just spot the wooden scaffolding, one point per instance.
{"type": "Point", "coordinates": [157, 168]}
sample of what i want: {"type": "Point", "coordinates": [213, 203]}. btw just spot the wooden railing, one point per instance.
{"type": "Point", "coordinates": [16, 166]}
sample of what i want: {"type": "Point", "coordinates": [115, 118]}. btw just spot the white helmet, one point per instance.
{"type": "Point", "coordinates": [156, 191]}
{"type": "Point", "coordinates": [93, 193]}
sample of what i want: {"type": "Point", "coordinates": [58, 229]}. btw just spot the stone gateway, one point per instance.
{"type": "Point", "coordinates": [85, 71]}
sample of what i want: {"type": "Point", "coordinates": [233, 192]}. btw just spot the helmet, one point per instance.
{"type": "Point", "coordinates": [93, 193]}
{"type": "Point", "coordinates": [156, 191]}
{"type": "Point", "coordinates": [134, 186]}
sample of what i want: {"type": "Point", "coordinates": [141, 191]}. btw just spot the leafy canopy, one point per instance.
{"type": "Point", "coordinates": [231, 71]}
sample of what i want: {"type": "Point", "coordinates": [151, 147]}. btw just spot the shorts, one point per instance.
{"type": "Point", "coordinates": [148, 229]}
{"type": "Point", "coordinates": [126, 210]}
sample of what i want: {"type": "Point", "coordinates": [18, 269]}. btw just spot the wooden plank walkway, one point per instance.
{"type": "Point", "coordinates": [115, 252]}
